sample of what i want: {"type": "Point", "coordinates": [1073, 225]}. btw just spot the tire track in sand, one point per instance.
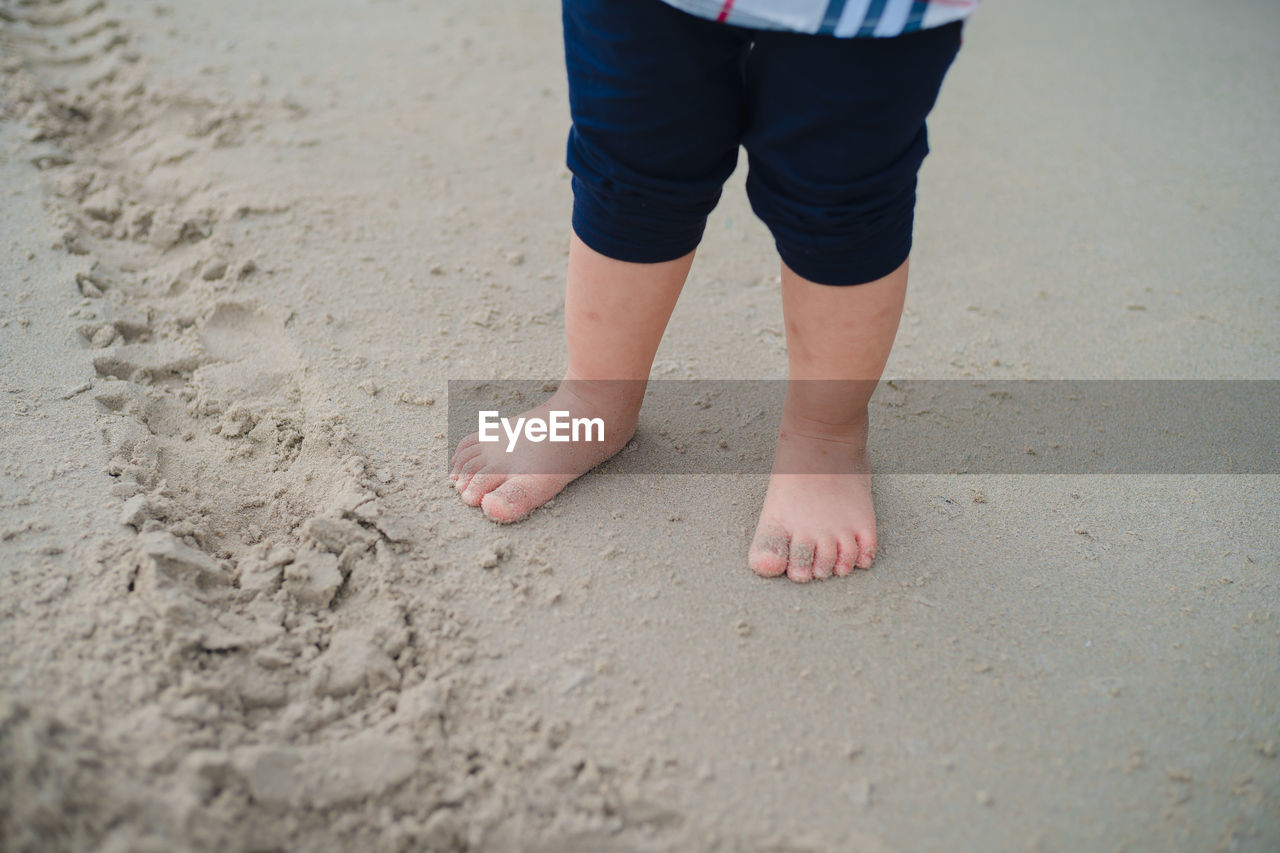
{"type": "Point", "coordinates": [280, 664]}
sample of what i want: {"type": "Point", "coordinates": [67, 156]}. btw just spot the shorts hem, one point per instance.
{"type": "Point", "coordinates": [846, 270]}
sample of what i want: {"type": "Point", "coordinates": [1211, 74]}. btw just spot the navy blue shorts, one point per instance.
{"type": "Point", "coordinates": [834, 130]}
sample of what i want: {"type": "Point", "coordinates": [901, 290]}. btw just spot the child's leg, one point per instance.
{"type": "Point", "coordinates": [657, 103]}
{"type": "Point", "coordinates": [818, 517]}
{"type": "Point", "coordinates": [615, 314]}
{"type": "Point", "coordinates": [836, 136]}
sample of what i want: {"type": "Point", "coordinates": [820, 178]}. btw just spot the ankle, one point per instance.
{"type": "Point", "coordinates": [616, 400]}
{"type": "Point", "coordinates": [830, 422]}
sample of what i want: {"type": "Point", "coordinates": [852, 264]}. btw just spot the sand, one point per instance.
{"type": "Point", "coordinates": [246, 246]}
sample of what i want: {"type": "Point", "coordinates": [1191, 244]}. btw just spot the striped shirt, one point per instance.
{"type": "Point", "coordinates": [841, 18]}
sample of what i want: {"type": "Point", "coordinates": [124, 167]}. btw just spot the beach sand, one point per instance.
{"type": "Point", "coordinates": [246, 245]}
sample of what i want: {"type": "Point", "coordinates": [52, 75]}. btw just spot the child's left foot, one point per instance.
{"type": "Point", "coordinates": [817, 519]}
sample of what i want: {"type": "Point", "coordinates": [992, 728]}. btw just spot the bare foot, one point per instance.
{"type": "Point", "coordinates": [817, 518]}
{"type": "Point", "coordinates": [508, 485]}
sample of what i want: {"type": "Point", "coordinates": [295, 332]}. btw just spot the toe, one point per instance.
{"type": "Point", "coordinates": [846, 554]}
{"type": "Point", "coordinates": [484, 482]}
{"type": "Point", "coordinates": [866, 549]}
{"type": "Point", "coordinates": [800, 562]}
{"type": "Point", "coordinates": [468, 471]}
{"type": "Point", "coordinates": [462, 451]}
{"type": "Point", "coordinates": [824, 559]}
{"type": "Point", "coordinates": [516, 498]}
{"type": "Point", "coordinates": [769, 550]}
{"type": "Point", "coordinates": [461, 458]}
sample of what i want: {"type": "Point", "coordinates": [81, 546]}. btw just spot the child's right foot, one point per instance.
{"type": "Point", "coordinates": [510, 485]}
